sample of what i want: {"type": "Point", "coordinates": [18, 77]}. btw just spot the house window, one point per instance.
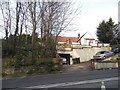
{"type": "Point", "coordinates": [69, 41]}
{"type": "Point", "coordinates": [91, 41]}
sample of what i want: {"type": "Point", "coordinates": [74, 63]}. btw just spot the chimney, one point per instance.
{"type": "Point", "coordinates": [78, 35]}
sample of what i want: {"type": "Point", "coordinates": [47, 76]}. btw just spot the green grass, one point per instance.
{"type": "Point", "coordinates": [33, 70]}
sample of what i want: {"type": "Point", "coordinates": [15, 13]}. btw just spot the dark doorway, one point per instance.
{"type": "Point", "coordinates": [76, 61]}
{"type": "Point", "coordinates": [67, 56]}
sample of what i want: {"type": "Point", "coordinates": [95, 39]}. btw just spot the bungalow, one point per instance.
{"type": "Point", "coordinates": [77, 49]}
{"type": "Point", "coordinates": [83, 40]}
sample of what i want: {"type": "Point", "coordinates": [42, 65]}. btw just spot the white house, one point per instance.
{"type": "Point", "coordinates": [84, 40]}
{"type": "Point", "coordinates": [87, 40]}
{"type": "Point", "coordinates": [78, 49]}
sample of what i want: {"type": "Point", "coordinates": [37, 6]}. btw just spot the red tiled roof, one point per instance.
{"type": "Point", "coordinates": [65, 39]}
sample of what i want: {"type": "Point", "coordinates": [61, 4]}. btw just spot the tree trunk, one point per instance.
{"type": "Point", "coordinates": [18, 7]}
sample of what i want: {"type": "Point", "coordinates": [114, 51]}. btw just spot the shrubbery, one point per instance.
{"type": "Point", "coordinates": [37, 67]}
{"type": "Point", "coordinates": [24, 55]}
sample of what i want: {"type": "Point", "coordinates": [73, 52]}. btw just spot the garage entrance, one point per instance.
{"type": "Point", "coordinates": [67, 56]}
{"type": "Point", "coordinates": [76, 60]}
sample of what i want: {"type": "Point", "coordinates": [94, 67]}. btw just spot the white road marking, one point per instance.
{"type": "Point", "coordinates": [74, 83]}
{"type": "Point", "coordinates": [103, 86]}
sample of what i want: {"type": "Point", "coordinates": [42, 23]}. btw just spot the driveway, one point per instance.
{"type": "Point", "coordinates": [75, 67]}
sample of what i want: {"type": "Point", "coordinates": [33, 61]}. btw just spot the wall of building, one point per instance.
{"type": "Point", "coordinates": [88, 42]}
{"type": "Point", "coordinates": [85, 54]}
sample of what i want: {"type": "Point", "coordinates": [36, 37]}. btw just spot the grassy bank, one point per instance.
{"type": "Point", "coordinates": [11, 68]}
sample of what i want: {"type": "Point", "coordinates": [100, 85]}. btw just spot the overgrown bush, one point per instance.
{"type": "Point", "coordinates": [20, 53]}
{"type": "Point", "coordinates": [36, 68]}
{"type": "Point", "coordinates": [4, 74]}
{"type": "Point", "coordinates": [52, 69]}
{"type": "Point", "coordinates": [30, 72]}
{"type": "Point", "coordinates": [43, 67]}
{"type": "Point", "coordinates": [47, 63]}
{"type": "Point", "coordinates": [8, 62]}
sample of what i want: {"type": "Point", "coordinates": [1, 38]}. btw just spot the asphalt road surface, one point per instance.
{"type": "Point", "coordinates": [76, 79]}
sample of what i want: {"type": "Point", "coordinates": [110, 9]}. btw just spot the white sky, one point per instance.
{"type": "Point", "coordinates": [92, 13]}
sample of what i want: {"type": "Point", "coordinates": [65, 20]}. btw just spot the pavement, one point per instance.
{"type": "Point", "coordinates": [76, 67]}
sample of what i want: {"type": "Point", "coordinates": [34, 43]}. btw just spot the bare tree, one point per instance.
{"type": "Point", "coordinates": [47, 19]}
{"type": "Point", "coordinates": [56, 17]}
{"type": "Point", "coordinates": [18, 11]}
{"type": "Point", "coordinates": [22, 16]}
{"type": "Point", "coordinates": [6, 13]}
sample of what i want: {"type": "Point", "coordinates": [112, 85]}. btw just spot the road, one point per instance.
{"type": "Point", "coordinates": [75, 79]}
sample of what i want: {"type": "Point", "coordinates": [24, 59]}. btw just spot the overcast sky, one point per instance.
{"type": "Point", "coordinates": [92, 13]}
